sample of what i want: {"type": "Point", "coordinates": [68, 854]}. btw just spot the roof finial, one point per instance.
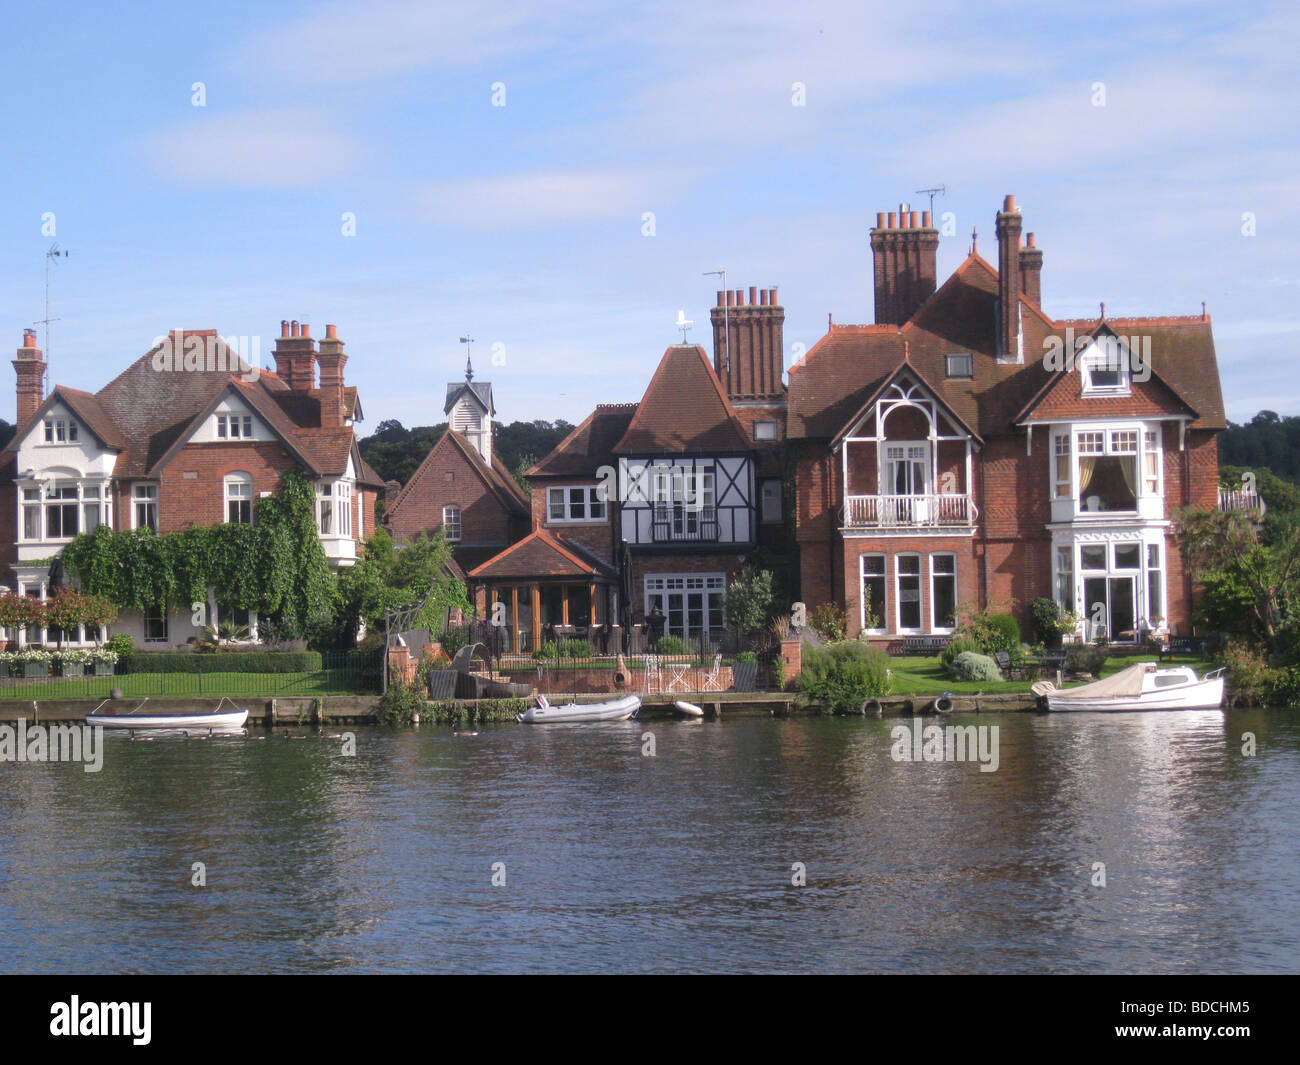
{"type": "Point", "coordinates": [1103, 310]}
{"type": "Point", "coordinates": [907, 350]}
{"type": "Point", "coordinates": [974, 237]}
{"type": "Point", "coordinates": [468, 341]}
{"type": "Point", "coordinates": [1202, 310]}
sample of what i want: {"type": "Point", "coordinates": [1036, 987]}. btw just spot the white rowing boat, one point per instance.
{"type": "Point", "coordinates": [105, 716]}
{"type": "Point", "coordinates": [1140, 687]}
{"type": "Point", "coordinates": [543, 713]}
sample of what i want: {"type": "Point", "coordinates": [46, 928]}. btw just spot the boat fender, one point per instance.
{"type": "Point", "coordinates": [943, 704]}
{"type": "Point", "coordinates": [872, 708]}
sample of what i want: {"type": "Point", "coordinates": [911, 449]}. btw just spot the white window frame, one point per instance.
{"type": "Point", "coordinates": [898, 593]}
{"type": "Point", "coordinates": [451, 523]}
{"type": "Point", "coordinates": [144, 495]}
{"type": "Point", "coordinates": [706, 584]}
{"type": "Point", "coordinates": [59, 431]}
{"type": "Point", "coordinates": [144, 624]}
{"type": "Point", "coordinates": [934, 575]}
{"type": "Point", "coordinates": [591, 500]}
{"type": "Point", "coordinates": [243, 482]}
{"type": "Point", "coordinates": [883, 577]}
{"type": "Point", "coordinates": [231, 426]}
{"type": "Point", "coordinates": [35, 497]}
{"type": "Point", "coordinates": [1097, 360]}
{"type": "Point", "coordinates": [769, 426]}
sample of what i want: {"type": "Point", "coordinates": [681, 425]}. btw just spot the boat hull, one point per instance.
{"type": "Point", "coordinates": [618, 710]}
{"type": "Point", "coordinates": [223, 722]}
{"type": "Point", "coordinates": [1203, 695]}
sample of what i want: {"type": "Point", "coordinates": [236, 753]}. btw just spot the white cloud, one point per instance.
{"type": "Point", "coordinates": [546, 198]}
{"type": "Point", "coordinates": [280, 147]}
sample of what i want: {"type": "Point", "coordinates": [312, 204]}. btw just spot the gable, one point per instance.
{"type": "Point", "coordinates": [440, 479]}
{"type": "Point", "coordinates": [684, 410]}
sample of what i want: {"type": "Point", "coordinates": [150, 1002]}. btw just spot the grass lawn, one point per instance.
{"type": "Point", "coordinates": [927, 676]}
{"type": "Point", "coordinates": [157, 685]}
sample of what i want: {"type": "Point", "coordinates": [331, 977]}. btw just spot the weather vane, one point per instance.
{"type": "Point", "coordinates": [683, 323]}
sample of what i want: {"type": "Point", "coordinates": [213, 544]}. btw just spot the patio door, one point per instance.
{"type": "Point", "coordinates": [907, 473]}
{"type": "Point", "coordinates": [1109, 605]}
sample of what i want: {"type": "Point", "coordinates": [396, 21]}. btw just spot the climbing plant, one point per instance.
{"type": "Point", "coordinates": [275, 566]}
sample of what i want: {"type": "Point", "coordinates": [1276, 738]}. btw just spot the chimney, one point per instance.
{"type": "Point", "coordinates": [1008, 223]}
{"type": "Point", "coordinates": [332, 360]}
{"type": "Point", "coordinates": [295, 357]}
{"type": "Point", "coordinates": [750, 367]}
{"type": "Point", "coordinates": [30, 368]}
{"type": "Point", "coordinates": [905, 248]}
{"type": "Point", "coordinates": [1031, 271]}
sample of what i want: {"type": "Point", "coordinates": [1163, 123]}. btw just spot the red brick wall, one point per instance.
{"type": "Point", "coordinates": [185, 500]}
{"type": "Point", "coordinates": [484, 520]}
{"type": "Point", "coordinates": [642, 565]}
{"type": "Point", "coordinates": [596, 536]}
{"type": "Point", "coordinates": [968, 564]}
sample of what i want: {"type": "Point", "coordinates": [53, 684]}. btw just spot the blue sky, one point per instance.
{"type": "Point", "coordinates": [522, 224]}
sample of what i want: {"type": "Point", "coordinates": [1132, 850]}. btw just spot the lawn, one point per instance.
{"type": "Point", "coordinates": [927, 676]}
{"type": "Point", "coordinates": [155, 685]}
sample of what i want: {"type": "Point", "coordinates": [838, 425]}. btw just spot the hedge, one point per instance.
{"type": "Point", "coordinates": [234, 662]}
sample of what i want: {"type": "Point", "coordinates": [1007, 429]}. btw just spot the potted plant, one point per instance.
{"type": "Point", "coordinates": [35, 662]}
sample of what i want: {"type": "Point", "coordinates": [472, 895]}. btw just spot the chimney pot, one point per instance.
{"type": "Point", "coordinates": [893, 220]}
{"type": "Point", "coordinates": [925, 219]}
{"type": "Point", "coordinates": [293, 328]}
{"type": "Point", "coordinates": [284, 327]}
{"type": "Point", "coordinates": [1009, 204]}
{"type": "Point", "coordinates": [731, 297]}
{"type": "Point", "coordinates": [880, 219]}
{"type": "Point", "coordinates": [762, 298]}
{"type": "Point", "coordinates": [332, 332]}
{"type": "Point", "coordinates": [774, 301]}
{"type": "Point", "coordinates": [306, 330]}
{"type": "Point", "coordinates": [1030, 240]}
{"type": "Point", "coordinates": [753, 295]}
{"type": "Point", "coordinates": [29, 338]}
{"type": "Point", "coordinates": [719, 297]}
{"type": "Point", "coordinates": [915, 220]}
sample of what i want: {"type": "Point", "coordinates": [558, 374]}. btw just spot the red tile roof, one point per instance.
{"type": "Point", "coordinates": [590, 445]}
{"type": "Point", "coordinates": [540, 555]}
{"type": "Point", "coordinates": [684, 410]}
{"type": "Point", "coordinates": [495, 477]}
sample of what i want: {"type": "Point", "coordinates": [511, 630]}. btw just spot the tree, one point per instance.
{"type": "Point", "coordinates": [1225, 554]}
{"type": "Point", "coordinates": [751, 600]}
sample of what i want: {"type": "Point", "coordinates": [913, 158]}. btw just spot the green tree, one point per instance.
{"type": "Point", "coordinates": [751, 600]}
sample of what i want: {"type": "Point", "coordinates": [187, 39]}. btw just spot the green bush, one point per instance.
{"type": "Point", "coordinates": [549, 651]}
{"type": "Point", "coordinates": [840, 676]}
{"type": "Point", "coordinates": [1045, 619]}
{"type": "Point", "coordinates": [223, 662]}
{"type": "Point", "coordinates": [972, 666]}
{"type": "Point", "coordinates": [399, 705]}
{"type": "Point", "coordinates": [1004, 633]}
{"type": "Point", "coordinates": [959, 645]}
{"type": "Point", "coordinates": [672, 645]}
{"type": "Point", "coordinates": [453, 640]}
{"type": "Point", "coordinates": [746, 656]}
{"type": "Point", "coordinates": [828, 621]}
{"type": "Point", "coordinates": [121, 643]}
{"type": "Point", "coordinates": [574, 649]}
{"type": "Point", "coordinates": [1085, 658]}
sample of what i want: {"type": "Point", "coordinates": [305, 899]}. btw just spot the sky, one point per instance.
{"type": "Point", "coordinates": [555, 178]}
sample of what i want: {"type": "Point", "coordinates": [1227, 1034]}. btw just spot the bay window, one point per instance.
{"type": "Point", "coordinates": [1108, 470]}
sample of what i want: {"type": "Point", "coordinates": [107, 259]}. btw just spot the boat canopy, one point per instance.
{"type": "Point", "coordinates": [1125, 682]}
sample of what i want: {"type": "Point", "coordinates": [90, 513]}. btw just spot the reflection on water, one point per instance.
{"type": "Point", "coordinates": [683, 861]}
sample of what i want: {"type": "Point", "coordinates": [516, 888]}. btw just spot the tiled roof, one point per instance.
{"type": "Point", "coordinates": [543, 554]}
{"type": "Point", "coordinates": [833, 381]}
{"type": "Point", "coordinates": [684, 410]}
{"type": "Point", "coordinates": [481, 390]}
{"type": "Point", "coordinates": [590, 445]}
{"type": "Point", "coordinates": [496, 478]}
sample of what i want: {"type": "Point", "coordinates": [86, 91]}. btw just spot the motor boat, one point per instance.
{"type": "Point", "coordinates": [1140, 687]}
{"type": "Point", "coordinates": [543, 713]}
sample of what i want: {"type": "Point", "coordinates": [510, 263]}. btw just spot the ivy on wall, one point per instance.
{"type": "Point", "coordinates": [275, 566]}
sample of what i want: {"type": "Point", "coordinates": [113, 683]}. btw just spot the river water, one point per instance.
{"type": "Point", "coordinates": [684, 860]}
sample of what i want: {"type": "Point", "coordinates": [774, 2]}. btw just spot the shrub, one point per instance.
{"type": "Point", "coordinates": [672, 645]}
{"type": "Point", "coordinates": [746, 656]}
{"type": "Point", "coordinates": [230, 662]}
{"type": "Point", "coordinates": [1045, 619]}
{"type": "Point", "coordinates": [574, 649]}
{"type": "Point", "coordinates": [1085, 658]}
{"type": "Point", "coordinates": [1004, 633]}
{"type": "Point", "coordinates": [970, 665]}
{"type": "Point", "coordinates": [840, 676]}
{"type": "Point", "coordinates": [828, 621]}
{"type": "Point", "coordinates": [399, 705]}
{"type": "Point", "coordinates": [1249, 675]}
{"type": "Point", "coordinates": [453, 640]}
{"type": "Point", "coordinates": [122, 645]}
{"type": "Point", "coordinates": [959, 645]}
{"type": "Point", "coordinates": [547, 652]}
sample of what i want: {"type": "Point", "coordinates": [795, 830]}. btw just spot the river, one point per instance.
{"type": "Point", "coordinates": [749, 844]}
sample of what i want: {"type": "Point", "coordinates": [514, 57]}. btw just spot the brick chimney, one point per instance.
{"type": "Point", "coordinates": [1031, 271]}
{"type": "Point", "coordinates": [905, 247]}
{"type": "Point", "coordinates": [30, 368]}
{"type": "Point", "coordinates": [750, 361]}
{"type": "Point", "coordinates": [295, 356]}
{"type": "Point", "coordinates": [332, 360]}
{"type": "Point", "coordinates": [1010, 343]}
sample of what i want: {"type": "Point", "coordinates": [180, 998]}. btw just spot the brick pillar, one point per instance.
{"type": "Point", "coordinates": [30, 368]}
{"type": "Point", "coordinates": [331, 360]}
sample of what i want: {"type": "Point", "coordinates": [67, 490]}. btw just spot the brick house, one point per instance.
{"type": "Point", "coordinates": [188, 433]}
{"type": "Point", "coordinates": [966, 450]}
{"type": "Point", "coordinates": [657, 503]}
{"type": "Point", "coordinates": [461, 487]}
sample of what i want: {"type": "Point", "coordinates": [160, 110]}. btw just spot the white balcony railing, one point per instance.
{"type": "Point", "coordinates": [907, 511]}
{"type": "Point", "coordinates": [1241, 499]}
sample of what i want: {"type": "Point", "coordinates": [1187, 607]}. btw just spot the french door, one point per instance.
{"type": "Point", "coordinates": [1110, 606]}
{"type": "Point", "coordinates": [907, 475]}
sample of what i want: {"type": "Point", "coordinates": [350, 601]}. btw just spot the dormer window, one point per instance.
{"type": "Point", "coordinates": [60, 431]}
{"type": "Point", "coordinates": [960, 365]}
{"type": "Point", "coordinates": [1105, 371]}
{"type": "Point", "coordinates": [765, 430]}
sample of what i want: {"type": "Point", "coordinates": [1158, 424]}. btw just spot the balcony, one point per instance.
{"type": "Point", "coordinates": [680, 523]}
{"type": "Point", "coordinates": [908, 511]}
